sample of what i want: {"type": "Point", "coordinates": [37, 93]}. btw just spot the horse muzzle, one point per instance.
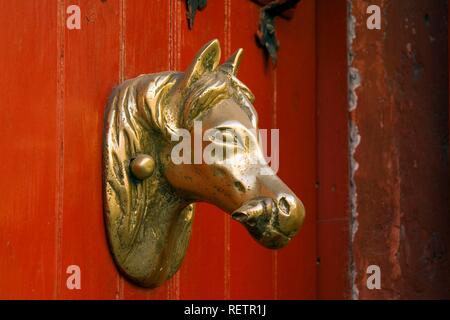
{"type": "Point", "coordinates": [272, 222]}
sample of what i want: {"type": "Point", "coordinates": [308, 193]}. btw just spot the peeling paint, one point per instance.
{"type": "Point", "coordinates": [354, 81]}
{"type": "Point", "coordinates": [354, 141]}
{"type": "Point", "coordinates": [397, 99]}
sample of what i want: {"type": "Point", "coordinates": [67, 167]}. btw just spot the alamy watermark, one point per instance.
{"type": "Point", "coordinates": [374, 277]}
{"type": "Point", "coordinates": [227, 146]}
{"type": "Point", "coordinates": [73, 281]}
{"type": "Point", "coordinates": [73, 21]}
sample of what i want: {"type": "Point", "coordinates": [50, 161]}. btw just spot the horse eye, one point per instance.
{"type": "Point", "coordinates": [229, 136]}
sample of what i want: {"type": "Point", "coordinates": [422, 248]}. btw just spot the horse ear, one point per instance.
{"type": "Point", "coordinates": [231, 66]}
{"type": "Point", "coordinates": [207, 59]}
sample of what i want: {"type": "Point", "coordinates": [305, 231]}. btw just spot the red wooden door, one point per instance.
{"type": "Point", "coordinates": [54, 85]}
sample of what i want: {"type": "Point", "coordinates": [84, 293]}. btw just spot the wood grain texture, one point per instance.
{"type": "Point", "coordinates": [28, 184]}
{"type": "Point", "coordinates": [91, 70]}
{"type": "Point", "coordinates": [332, 134]}
{"type": "Point", "coordinates": [296, 119]}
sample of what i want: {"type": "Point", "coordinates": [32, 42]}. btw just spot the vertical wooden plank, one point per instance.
{"type": "Point", "coordinates": [252, 266]}
{"type": "Point", "coordinates": [332, 143]}
{"type": "Point", "coordinates": [28, 138]}
{"type": "Point", "coordinates": [202, 274]}
{"type": "Point", "coordinates": [91, 70]}
{"type": "Point", "coordinates": [296, 119]}
{"type": "Point", "coordinates": [146, 50]}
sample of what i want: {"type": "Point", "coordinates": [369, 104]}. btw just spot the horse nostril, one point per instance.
{"type": "Point", "coordinates": [291, 214]}
{"type": "Point", "coordinates": [239, 216]}
{"type": "Point", "coordinates": [284, 206]}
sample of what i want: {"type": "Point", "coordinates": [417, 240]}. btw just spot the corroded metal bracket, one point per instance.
{"type": "Point", "coordinates": [266, 33]}
{"type": "Point", "coordinates": [149, 197]}
{"type": "Point", "coordinates": [191, 10]}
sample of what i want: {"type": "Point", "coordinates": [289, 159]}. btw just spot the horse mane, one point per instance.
{"type": "Point", "coordinates": [129, 121]}
{"type": "Point", "coordinates": [140, 115]}
{"type": "Point", "coordinates": [142, 101]}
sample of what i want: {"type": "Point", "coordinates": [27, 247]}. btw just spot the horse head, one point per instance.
{"type": "Point", "coordinates": [149, 192]}
{"type": "Point", "coordinates": [238, 179]}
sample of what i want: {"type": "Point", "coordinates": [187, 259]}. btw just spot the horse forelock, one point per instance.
{"type": "Point", "coordinates": [208, 91]}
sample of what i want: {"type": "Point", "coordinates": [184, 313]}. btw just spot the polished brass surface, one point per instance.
{"type": "Point", "coordinates": [142, 166]}
{"type": "Point", "coordinates": [148, 197]}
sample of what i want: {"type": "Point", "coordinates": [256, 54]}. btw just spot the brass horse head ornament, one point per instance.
{"type": "Point", "coordinates": [148, 197]}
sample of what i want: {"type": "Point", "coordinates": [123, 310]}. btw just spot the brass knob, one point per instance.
{"type": "Point", "coordinates": [142, 166]}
